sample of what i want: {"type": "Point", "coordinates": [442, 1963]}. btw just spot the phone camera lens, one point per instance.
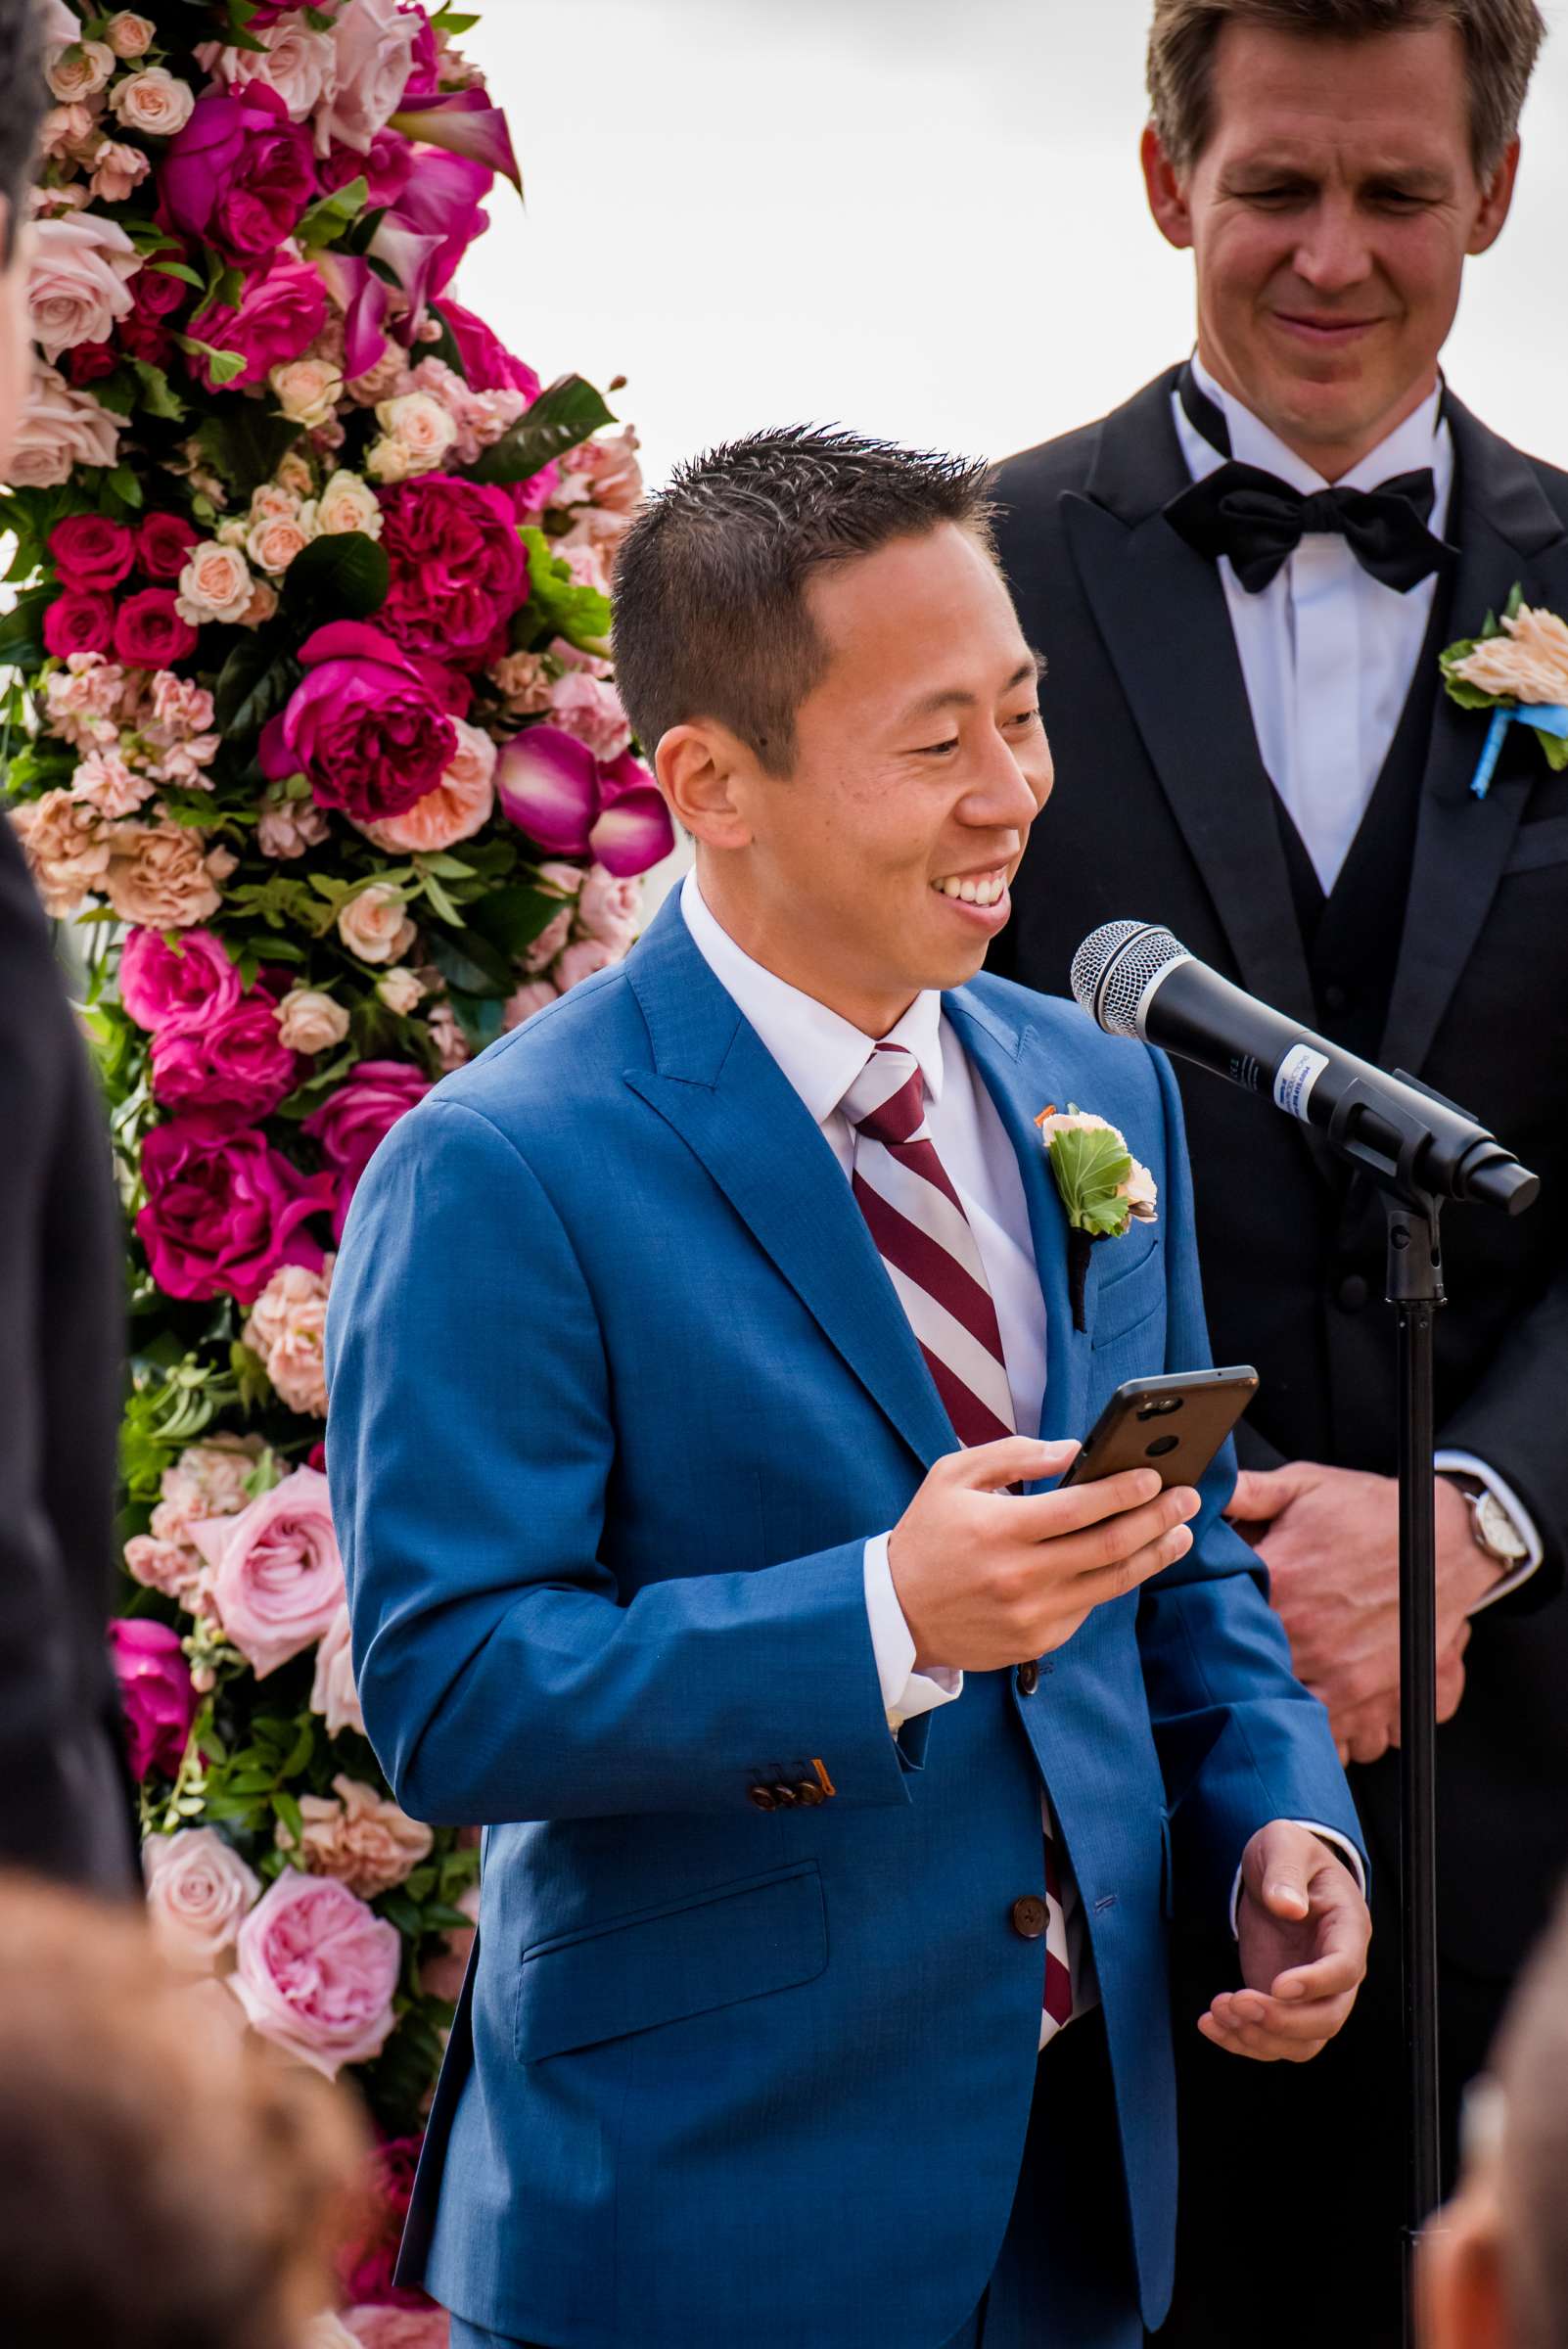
{"type": "Point", "coordinates": [1162, 1445]}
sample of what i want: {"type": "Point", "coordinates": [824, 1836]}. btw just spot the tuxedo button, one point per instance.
{"type": "Point", "coordinates": [1337, 1001]}
{"type": "Point", "coordinates": [809, 1793]}
{"type": "Point", "coordinates": [1030, 1916]}
{"type": "Point", "coordinates": [1352, 1293]}
{"type": "Point", "coordinates": [1028, 1678]}
{"type": "Point", "coordinates": [764, 1797]}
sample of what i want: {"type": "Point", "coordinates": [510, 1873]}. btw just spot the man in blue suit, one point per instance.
{"type": "Point", "coordinates": [703, 1360]}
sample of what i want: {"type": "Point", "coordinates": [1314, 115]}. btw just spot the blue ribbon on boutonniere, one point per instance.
{"type": "Point", "coordinates": [1498, 669]}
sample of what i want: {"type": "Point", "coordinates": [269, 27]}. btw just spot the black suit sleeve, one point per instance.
{"type": "Point", "coordinates": [1513, 1420]}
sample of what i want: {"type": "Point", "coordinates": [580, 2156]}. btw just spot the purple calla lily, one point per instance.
{"type": "Point", "coordinates": [634, 835]}
{"type": "Point", "coordinates": [412, 259]}
{"type": "Point", "coordinates": [553, 789]}
{"type": "Point", "coordinates": [363, 297]}
{"type": "Point", "coordinates": [464, 122]}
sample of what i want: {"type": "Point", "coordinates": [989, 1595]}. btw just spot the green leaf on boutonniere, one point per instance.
{"type": "Point", "coordinates": [1090, 1165]}
{"type": "Point", "coordinates": [1555, 747]}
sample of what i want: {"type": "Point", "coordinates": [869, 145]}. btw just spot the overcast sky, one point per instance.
{"type": "Point", "coordinates": [921, 217]}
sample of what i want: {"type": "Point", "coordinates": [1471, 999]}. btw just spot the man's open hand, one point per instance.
{"type": "Point", "coordinates": [1332, 1550]}
{"type": "Point", "coordinates": [1302, 1931]}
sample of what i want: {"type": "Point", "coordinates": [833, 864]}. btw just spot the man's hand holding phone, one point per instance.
{"type": "Point", "coordinates": [988, 1578]}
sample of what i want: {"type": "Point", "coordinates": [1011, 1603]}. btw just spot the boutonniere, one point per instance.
{"type": "Point", "coordinates": [1517, 668]}
{"type": "Point", "coordinates": [1103, 1188]}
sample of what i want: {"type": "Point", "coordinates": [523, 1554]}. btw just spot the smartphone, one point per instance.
{"type": "Point", "coordinates": [1175, 1424]}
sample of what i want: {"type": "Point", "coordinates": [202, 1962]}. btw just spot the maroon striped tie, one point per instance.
{"type": "Point", "coordinates": [924, 1239]}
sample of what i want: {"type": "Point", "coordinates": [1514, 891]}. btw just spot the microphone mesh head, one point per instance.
{"type": "Point", "coordinates": [1111, 970]}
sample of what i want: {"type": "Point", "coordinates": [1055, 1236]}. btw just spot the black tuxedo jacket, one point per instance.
{"type": "Point", "coordinates": [1164, 812]}
{"type": "Point", "coordinates": [64, 1791]}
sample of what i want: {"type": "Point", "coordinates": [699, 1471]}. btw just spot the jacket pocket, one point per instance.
{"type": "Point", "coordinates": [660, 1966]}
{"type": "Point", "coordinates": [1128, 1298]}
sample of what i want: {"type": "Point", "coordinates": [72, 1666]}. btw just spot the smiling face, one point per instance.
{"type": "Point", "coordinates": [1331, 214]}
{"type": "Point", "coordinates": [879, 865]}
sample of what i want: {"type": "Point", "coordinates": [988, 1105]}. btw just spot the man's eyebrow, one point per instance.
{"type": "Point", "coordinates": [957, 698]}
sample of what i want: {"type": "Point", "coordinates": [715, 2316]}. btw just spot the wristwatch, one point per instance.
{"type": "Point", "coordinates": [1490, 1527]}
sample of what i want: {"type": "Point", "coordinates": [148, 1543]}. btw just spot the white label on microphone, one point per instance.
{"type": "Point", "coordinates": [1295, 1077]}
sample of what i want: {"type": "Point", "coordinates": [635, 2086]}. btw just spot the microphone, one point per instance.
{"type": "Point", "coordinates": [1135, 979]}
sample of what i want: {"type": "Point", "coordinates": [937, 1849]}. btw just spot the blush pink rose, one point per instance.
{"type": "Point", "coordinates": [191, 979]}
{"type": "Point", "coordinates": [296, 62]}
{"type": "Point", "coordinates": [237, 175]}
{"type": "Point", "coordinates": [363, 726]}
{"type": "Point", "coordinates": [351, 1123]}
{"type": "Point", "coordinates": [582, 960]}
{"type": "Point", "coordinates": [609, 909]}
{"type": "Point", "coordinates": [224, 1209]}
{"type": "Point", "coordinates": [358, 1836]}
{"type": "Point", "coordinates": [461, 804]}
{"type": "Point", "coordinates": [77, 286]}
{"type": "Point", "coordinates": [155, 1694]}
{"type": "Point", "coordinates": [458, 569]}
{"type": "Point", "coordinates": [379, 2327]}
{"type": "Point", "coordinates": [287, 1329]}
{"type": "Point", "coordinates": [585, 707]}
{"type": "Point", "coordinates": [374, 45]}
{"type": "Point", "coordinates": [61, 428]}
{"type": "Point", "coordinates": [198, 1891]}
{"type": "Point", "coordinates": [333, 1691]}
{"type": "Point", "coordinates": [316, 1972]}
{"type": "Point", "coordinates": [276, 1572]}
{"type": "Point", "coordinates": [522, 1004]}
{"type": "Point", "coordinates": [236, 1067]}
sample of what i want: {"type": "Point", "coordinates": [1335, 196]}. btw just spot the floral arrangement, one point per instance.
{"type": "Point", "coordinates": [1517, 668]}
{"type": "Point", "coordinates": [312, 734]}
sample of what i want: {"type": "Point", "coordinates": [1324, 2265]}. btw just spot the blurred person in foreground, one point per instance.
{"type": "Point", "coordinates": [169, 2180]}
{"type": "Point", "coordinates": [1494, 2267]}
{"type": "Point", "coordinates": [64, 1792]}
{"type": "Point", "coordinates": [1243, 581]}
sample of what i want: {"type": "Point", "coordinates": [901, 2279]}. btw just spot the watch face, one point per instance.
{"type": "Point", "coordinates": [1498, 1530]}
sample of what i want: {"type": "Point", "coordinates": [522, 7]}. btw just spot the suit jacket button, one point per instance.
{"type": "Point", "coordinates": [764, 1797]}
{"type": "Point", "coordinates": [1030, 1916]}
{"type": "Point", "coordinates": [783, 1796]}
{"type": "Point", "coordinates": [1028, 1678]}
{"type": "Point", "coordinates": [1353, 1293]}
{"type": "Point", "coordinates": [809, 1793]}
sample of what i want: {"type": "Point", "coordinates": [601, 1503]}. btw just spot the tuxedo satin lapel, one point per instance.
{"type": "Point", "coordinates": [1013, 1071]}
{"type": "Point", "coordinates": [1161, 610]}
{"type": "Point", "coordinates": [1506, 532]}
{"type": "Point", "coordinates": [719, 1086]}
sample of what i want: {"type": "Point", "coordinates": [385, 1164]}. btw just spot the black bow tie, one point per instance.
{"type": "Point", "coordinates": [1259, 521]}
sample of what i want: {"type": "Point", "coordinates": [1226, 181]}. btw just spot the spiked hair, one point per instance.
{"type": "Point", "coordinates": [711, 612]}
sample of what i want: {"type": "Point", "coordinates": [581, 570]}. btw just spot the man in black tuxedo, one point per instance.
{"type": "Point", "coordinates": [65, 1794]}
{"type": "Point", "coordinates": [1254, 748]}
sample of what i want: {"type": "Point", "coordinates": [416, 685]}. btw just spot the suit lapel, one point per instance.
{"type": "Point", "coordinates": [1160, 611]}
{"type": "Point", "coordinates": [717, 1084]}
{"type": "Point", "coordinates": [1506, 532]}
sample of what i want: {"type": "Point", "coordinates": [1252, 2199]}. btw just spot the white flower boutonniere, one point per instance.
{"type": "Point", "coordinates": [1103, 1188]}
{"type": "Point", "coordinates": [1517, 668]}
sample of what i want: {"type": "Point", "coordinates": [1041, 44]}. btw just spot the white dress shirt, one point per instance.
{"type": "Point", "coordinates": [1328, 655]}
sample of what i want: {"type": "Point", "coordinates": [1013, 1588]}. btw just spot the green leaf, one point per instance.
{"type": "Point", "coordinates": [243, 442]}
{"type": "Point", "coordinates": [286, 1809]}
{"type": "Point", "coordinates": [222, 365]}
{"type": "Point", "coordinates": [1512, 609]}
{"type": "Point", "coordinates": [480, 1018]}
{"type": "Point", "coordinates": [254, 684]}
{"type": "Point", "coordinates": [400, 1910]}
{"type": "Point", "coordinates": [22, 644]}
{"type": "Point", "coordinates": [1091, 1166]}
{"type": "Point", "coordinates": [512, 918]}
{"type": "Point", "coordinates": [562, 417]}
{"type": "Point", "coordinates": [557, 605]}
{"type": "Point", "coordinates": [124, 484]}
{"type": "Point", "coordinates": [342, 576]}
{"type": "Point", "coordinates": [158, 396]}
{"type": "Point", "coordinates": [249, 1372]}
{"type": "Point", "coordinates": [327, 219]}
{"type": "Point", "coordinates": [180, 269]}
{"type": "Point", "coordinates": [468, 961]}
{"type": "Point", "coordinates": [1555, 748]}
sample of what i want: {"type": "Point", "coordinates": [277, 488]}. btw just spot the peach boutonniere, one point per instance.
{"type": "Point", "coordinates": [1517, 668]}
{"type": "Point", "coordinates": [1103, 1188]}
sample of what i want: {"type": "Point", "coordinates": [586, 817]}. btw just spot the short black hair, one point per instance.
{"type": "Point", "coordinates": [26, 96]}
{"type": "Point", "coordinates": [711, 619]}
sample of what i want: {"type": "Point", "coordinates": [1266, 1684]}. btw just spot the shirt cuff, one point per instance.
{"type": "Point", "coordinates": [905, 1691]}
{"type": "Point", "coordinates": [1466, 1463]}
{"type": "Point", "coordinates": [1342, 1845]}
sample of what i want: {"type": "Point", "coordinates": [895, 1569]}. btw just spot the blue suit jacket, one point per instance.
{"type": "Point", "coordinates": [619, 1389]}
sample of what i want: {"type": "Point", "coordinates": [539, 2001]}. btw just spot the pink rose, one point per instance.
{"type": "Point", "coordinates": [363, 726]}
{"type": "Point", "coordinates": [590, 709]}
{"type": "Point", "coordinates": [76, 286]}
{"type": "Point", "coordinates": [91, 553]}
{"type": "Point", "coordinates": [374, 45]}
{"type": "Point", "coordinates": [553, 788]}
{"type": "Point", "coordinates": [296, 62]}
{"type": "Point", "coordinates": [351, 1123]}
{"type": "Point", "coordinates": [280, 316]}
{"type": "Point", "coordinates": [287, 1329]}
{"type": "Point", "coordinates": [224, 1209]}
{"type": "Point", "coordinates": [332, 1694]}
{"type": "Point", "coordinates": [155, 1694]}
{"type": "Point", "coordinates": [378, 2327]}
{"type": "Point", "coordinates": [67, 847]}
{"type": "Point", "coordinates": [198, 1890]}
{"type": "Point", "coordinates": [442, 1977]}
{"type": "Point", "coordinates": [582, 960]}
{"type": "Point", "coordinates": [75, 622]}
{"type": "Point", "coordinates": [531, 996]}
{"type": "Point", "coordinates": [458, 569]}
{"type": "Point", "coordinates": [357, 1836]}
{"type": "Point", "coordinates": [150, 632]}
{"type": "Point", "coordinates": [276, 1574]}
{"type": "Point", "coordinates": [238, 176]}
{"type": "Point", "coordinates": [310, 1021]}
{"type": "Point", "coordinates": [609, 909]}
{"type": "Point", "coordinates": [59, 427]}
{"type": "Point", "coordinates": [317, 1971]}
{"type": "Point", "coordinates": [461, 804]}
{"type": "Point", "coordinates": [154, 102]}
{"type": "Point", "coordinates": [194, 980]}
{"type": "Point", "coordinates": [235, 1066]}
{"type": "Point", "coordinates": [163, 541]}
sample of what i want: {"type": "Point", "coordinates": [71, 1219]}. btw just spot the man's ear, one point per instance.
{"type": "Point", "coordinates": [702, 770]}
{"type": "Point", "coordinates": [1167, 193]}
{"type": "Point", "coordinates": [1496, 204]}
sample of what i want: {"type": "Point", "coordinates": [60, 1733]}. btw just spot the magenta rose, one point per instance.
{"type": "Point", "coordinates": [91, 553]}
{"type": "Point", "coordinates": [458, 569]}
{"type": "Point", "coordinates": [163, 542]}
{"type": "Point", "coordinates": [78, 623]}
{"type": "Point", "coordinates": [348, 1127]}
{"type": "Point", "coordinates": [239, 175]}
{"type": "Point", "coordinates": [367, 2268]}
{"type": "Point", "coordinates": [276, 1575]}
{"type": "Point", "coordinates": [317, 1971]}
{"type": "Point", "coordinates": [279, 317]}
{"type": "Point", "coordinates": [224, 1209]}
{"type": "Point", "coordinates": [145, 333]}
{"type": "Point", "coordinates": [89, 362]}
{"type": "Point", "coordinates": [150, 632]}
{"type": "Point", "coordinates": [194, 980]}
{"type": "Point", "coordinates": [551, 787]}
{"type": "Point", "coordinates": [485, 360]}
{"type": "Point", "coordinates": [386, 169]}
{"type": "Point", "coordinates": [234, 1067]}
{"type": "Point", "coordinates": [363, 726]}
{"type": "Point", "coordinates": [156, 1694]}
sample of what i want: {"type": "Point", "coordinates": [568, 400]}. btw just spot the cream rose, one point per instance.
{"type": "Point", "coordinates": [76, 285]}
{"type": "Point", "coordinates": [198, 1891]}
{"type": "Point", "coordinates": [297, 61]}
{"type": "Point", "coordinates": [273, 543]}
{"type": "Point", "coordinates": [80, 69]}
{"type": "Point", "coordinates": [215, 585]}
{"type": "Point", "coordinates": [417, 434]}
{"type": "Point", "coordinates": [293, 474]}
{"type": "Point", "coordinates": [308, 391]}
{"type": "Point", "coordinates": [288, 1329]}
{"type": "Point", "coordinates": [401, 991]}
{"type": "Point", "coordinates": [358, 1838]}
{"type": "Point", "coordinates": [162, 876]}
{"type": "Point", "coordinates": [128, 34]}
{"type": "Point", "coordinates": [67, 845]}
{"type": "Point", "coordinates": [332, 1694]}
{"type": "Point", "coordinates": [346, 503]}
{"type": "Point", "coordinates": [310, 1022]}
{"type": "Point", "coordinates": [375, 924]}
{"type": "Point", "coordinates": [287, 827]}
{"type": "Point", "coordinates": [155, 102]}
{"type": "Point", "coordinates": [117, 169]}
